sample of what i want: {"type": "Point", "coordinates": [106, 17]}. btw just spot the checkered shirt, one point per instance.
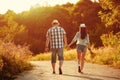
{"type": "Point", "coordinates": [56, 36]}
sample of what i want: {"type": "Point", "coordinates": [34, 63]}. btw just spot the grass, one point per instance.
{"type": "Point", "coordinates": [103, 55]}
{"type": "Point", "coordinates": [68, 55]}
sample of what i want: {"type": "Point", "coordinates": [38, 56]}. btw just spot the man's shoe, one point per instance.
{"type": "Point", "coordinates": [60, 71]}
{"type": "Point", "coordinates": [79, 70]}
{"type": "Point", "coordinates": [53, 72]}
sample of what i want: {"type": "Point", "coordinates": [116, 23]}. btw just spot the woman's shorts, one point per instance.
{"type": "Point", "coordinates": [81, 48]}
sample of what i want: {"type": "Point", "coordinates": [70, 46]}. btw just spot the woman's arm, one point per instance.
{"type": "Point", "coordinates": [74, 40]}
{"type": "Point", "coordinates": [71, 43]}
{"type": "Point", "coordinates": [88, 42]}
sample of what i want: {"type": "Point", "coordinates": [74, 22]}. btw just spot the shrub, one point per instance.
{"type": "Point", "coordinates": [110, 39]}
{"type": "Point", "coordinates": [105, 55]}
{"type": "Point", "coordinates": [13, 60]}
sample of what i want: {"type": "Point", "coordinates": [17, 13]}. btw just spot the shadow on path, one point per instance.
{"type": "Point", "coordinates": [87, 76]}
{"type": "Point", "coordinates": [79, 76]}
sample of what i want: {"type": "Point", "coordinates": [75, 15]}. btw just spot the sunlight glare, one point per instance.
{"type": "Point", "coordinates": [23, 5]}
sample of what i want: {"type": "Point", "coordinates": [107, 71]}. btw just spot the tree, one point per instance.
{"type": "Point", "coordinates": [38, 21]}
{"type": "Point", "coordinates": [11, 28]}
{"type": "Point", "coordinates": [86, 11]}
{"type": "Point", "coordinates": [111, 13]}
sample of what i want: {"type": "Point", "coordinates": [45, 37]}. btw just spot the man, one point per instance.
{"type": "Point", "coordinates": [56, 36]}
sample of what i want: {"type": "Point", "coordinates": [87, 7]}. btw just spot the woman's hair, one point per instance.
{"type": "Point", "coordinates": [83, 32]}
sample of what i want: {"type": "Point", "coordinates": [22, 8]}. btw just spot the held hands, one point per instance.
{"type": "Point", "coordinates": [46, 49]}
{"type": "Point", "coordinates": [68, 47]}
{"type": "Point", "coordinates": [89, 49]}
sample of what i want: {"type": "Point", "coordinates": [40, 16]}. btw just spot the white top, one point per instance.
{"type": "Point", "coordinates": [81, 41]}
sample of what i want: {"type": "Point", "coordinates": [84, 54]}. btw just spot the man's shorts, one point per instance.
{"type": "Point", "coordinates": [81, 48]}
{"type": "Point", "coordinates": [59, 52]}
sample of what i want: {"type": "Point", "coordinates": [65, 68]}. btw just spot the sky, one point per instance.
{"type": "Point", "coordinates": [23, 5]}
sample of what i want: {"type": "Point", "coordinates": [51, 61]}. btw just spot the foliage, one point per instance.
{"type": "Point", "coordinates": [110, 39]}
{"type": "Point", "coordinates": [106, 56]}
{"type": "Point", "coordinates": [11, 28]}
{"type": "Point", "coordinates": [68, 55]}
{"type": "Point", "coordinates": [86, 11]}
{"type": "Point", "coordinates": [111, 13]}
{"type": "Point", "coordinates": [13, 60]}
{"type": "Point", "coordinates": [38, 21]}
{"type": "Point", "coordinates": [41, 57]}
{"type": "Point", "coordinates": [30, 27]}
{"type": "Point", "coordinates": [103, 55]}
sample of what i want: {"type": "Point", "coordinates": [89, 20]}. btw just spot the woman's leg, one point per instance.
{"type": "Point", "coordinates": [82, 60]}
{"type": "Point", "coordinates": [79, 58]}
{"type": "Point", "coordinates": [79, 61]}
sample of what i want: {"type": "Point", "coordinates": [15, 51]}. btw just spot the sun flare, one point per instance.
{"type": "Point", "coordinates": [23, 5]}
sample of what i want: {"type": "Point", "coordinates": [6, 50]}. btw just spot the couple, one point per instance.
{"type": "Point", "coordinates": [56, 37]}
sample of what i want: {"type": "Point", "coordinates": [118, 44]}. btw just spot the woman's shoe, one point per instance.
{"type": "Point", "coordinates": [79, 70]}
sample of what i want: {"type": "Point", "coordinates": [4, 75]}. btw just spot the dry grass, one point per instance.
{"type": "Point", "coordinates": [104, 55]}
{"type": "Point", "coordinates": [13, 59]}
{"type": "Point", "coordinates": [68, 55]}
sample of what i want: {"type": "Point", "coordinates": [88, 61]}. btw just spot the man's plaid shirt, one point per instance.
{"type": "Point", "coordinates": [56, 37]}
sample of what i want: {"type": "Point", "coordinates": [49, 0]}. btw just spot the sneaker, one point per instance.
{"type": "Point", "coordinates": [81, 72]}
{"type": "Point", "coordinates": [53, 72]}
{"type": "Point", "coordinates": [60, 71]}
{"type": "Point", "coordinates": [79, 69]}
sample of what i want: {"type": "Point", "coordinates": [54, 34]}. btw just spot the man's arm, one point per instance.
{"type": "Point", "coordinates": [47, 44]}
{"type": "Point", "coordinates": [65, 40]}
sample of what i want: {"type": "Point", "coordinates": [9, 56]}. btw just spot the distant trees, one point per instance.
{"type": "Point", "coordinates": [86, 11]}
{"type": "Point", "coordinates": [38, 21]}
{"type": "Point", "coordinates": [9, 28]}
{"type": "Point", "coordinates": [30, 27]}
{"type": "Point", "coordinates": [110, 14]}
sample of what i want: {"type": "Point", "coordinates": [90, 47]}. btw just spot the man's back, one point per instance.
{"type": "Point", "coordinates": [56, 34]}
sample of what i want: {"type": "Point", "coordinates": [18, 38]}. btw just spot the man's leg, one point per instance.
{"type": "Point", "coordinates": [60, 57]}
{"type": "Point", "coordinates": [60, 63]}
{"type": "Point", "coordinates": [53, 66]}
{"type": "Point", "coordinates": [53, 59]}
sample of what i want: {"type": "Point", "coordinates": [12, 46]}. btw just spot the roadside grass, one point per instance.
{"type": "Point", "coordinates": [13, 60]}
{"type": "Point", "coordinates": [103, 55]}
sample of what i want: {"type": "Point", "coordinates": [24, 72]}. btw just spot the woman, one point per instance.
{"type": "Point", "coordinates": [82, 39]}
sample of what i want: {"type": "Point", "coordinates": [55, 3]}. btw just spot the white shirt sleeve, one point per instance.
{"type": "Point", "coordinates": [75, 37]}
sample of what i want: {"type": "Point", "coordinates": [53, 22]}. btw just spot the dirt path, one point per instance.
{"type": "Point", "coordinates": [42, 71]}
